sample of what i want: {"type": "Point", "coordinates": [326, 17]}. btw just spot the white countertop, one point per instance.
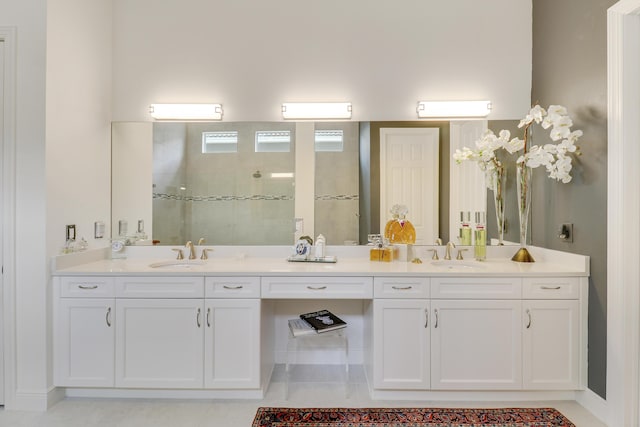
{"type": "Point", "coordinates": [271, 261]}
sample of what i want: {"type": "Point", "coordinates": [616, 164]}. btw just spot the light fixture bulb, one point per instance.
{"type": "Point", "coordinates": [316, 110]}
{"type": "Point", "coordinates": [453, 109]}
{"type": "Point", "coordinates": [201, 112]}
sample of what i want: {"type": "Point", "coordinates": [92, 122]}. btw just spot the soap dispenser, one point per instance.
{"type": "Point", "coordinates": [465, 228]}
{"type": "Point", "coordinates": [320, 246]}
{"type": "Point", "coordinates": [480, 245]}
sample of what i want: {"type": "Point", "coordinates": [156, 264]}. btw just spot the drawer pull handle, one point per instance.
{"type": "Point", "coordinates": [319, 288]}
{"type": "Point", "coordinates": [402, 288]}
{"type": "Point", "coordinates": [107, 318]}
{"type": "Point", "coordinates": [88, 286]}
{"type": "Point", "coordinates": [198, 318]}
{"type": "Point", "coordinates": [426, 318]}
{"type": "Point", "coordinates": [529, 316]}
{"type": "Point", "coordinates": [553, 288]}
{"type": "Point", "coordinates": [232, 287]}
{"type": "Point", "coordinates": [436, 313]}
{"type": "Point", "coordinates": [208, 314]}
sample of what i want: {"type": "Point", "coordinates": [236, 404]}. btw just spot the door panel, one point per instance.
{"type": "Point", "coordinates": [409, 175]}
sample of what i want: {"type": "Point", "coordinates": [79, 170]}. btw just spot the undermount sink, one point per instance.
{"type": "Point", "coordinates": [458, 265]}
{"type": "Point", "coordinates": [179, 263]}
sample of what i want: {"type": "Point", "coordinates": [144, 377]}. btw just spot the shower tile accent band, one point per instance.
{"type": "Point", "coordinates": [230, 198]}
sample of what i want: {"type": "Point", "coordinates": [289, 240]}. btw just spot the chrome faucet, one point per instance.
{"type": "Point", "coordinates": [192, 249]}
{"type": "Point", "coordinates": [447, 254]}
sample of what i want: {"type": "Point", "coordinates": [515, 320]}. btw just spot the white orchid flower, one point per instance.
{"type": "Point", "coordinates": [514, 145]}
{"type": "Point", "coordinates": [553, 156]}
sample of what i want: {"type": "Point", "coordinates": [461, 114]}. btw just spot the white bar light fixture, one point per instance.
{"type": "Point", "coordinates": [316, 110]}
{"type": "Point", "coordinates": [202, 112]}
{"type": "Point", "coordinates": [453, 109]}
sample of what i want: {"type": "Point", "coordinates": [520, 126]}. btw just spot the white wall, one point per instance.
{"type": "Point", "coordinates": [78, 119]}
{"type": "Point", "coordinates": [382, 56]}
{"type": "Point", "coordinates": [63, 114]}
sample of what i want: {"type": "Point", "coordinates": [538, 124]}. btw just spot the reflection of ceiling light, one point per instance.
{"type": "Point", "coordinates": [186, 111]}
{"type": "Point", "coordinates": [282, 175]}
{"type": "Point", "coordinates": [445, 109]}
{"type": "Point", "coordinates": [316, 110]}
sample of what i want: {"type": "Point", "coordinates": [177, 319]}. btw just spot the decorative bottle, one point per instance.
{"type": "Point", "coordinates": [480, 245]}
{"type": "Point", "coordinates": [465, 228]}
{"type": "Point", "coordinates": [401, 230]}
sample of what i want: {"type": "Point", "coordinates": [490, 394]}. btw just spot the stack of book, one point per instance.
{"type": "Point", "coordinates": [315, 322]}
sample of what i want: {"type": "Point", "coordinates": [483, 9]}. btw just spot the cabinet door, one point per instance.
{"type": "Point", "coordinates": [476, 345]}
{"type": "Point", "coordinates": [551, 334]}
{"type": "Point", "coordinates": [401, 344]}
{"type": "Point", "coordinates": [232, 343]}
{"type": "Point", "coordinates": [84, 342]}
{"type": "Point", "coordinates": [159, 343]}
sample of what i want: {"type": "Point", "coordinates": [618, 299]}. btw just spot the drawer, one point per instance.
{"type": "Point", "coordinates": [160, 287]}
{"type": "Point", "coordinates": [551, 288]}
{"type": "Point", "coordinates": [232, 287]}
{"type": "Point", "coordinates": [87, 287]}
{"type": "Point", "coordinates": [401, 287]}
{"type": "Point", "coordinates": [476, 287]}
{"type": "Point", "coordinates": [317, 287]}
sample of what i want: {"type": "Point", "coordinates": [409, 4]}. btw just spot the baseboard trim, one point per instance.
{"type": "Point", "coordinates": [35, 400]}
{"type": "Point", "coordinates": [594, 404]}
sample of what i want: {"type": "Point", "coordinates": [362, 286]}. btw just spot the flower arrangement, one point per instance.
{"type": "Point", "coordinates": [555, 157]}
{"type": "Point", "coordinates": [485, 152]}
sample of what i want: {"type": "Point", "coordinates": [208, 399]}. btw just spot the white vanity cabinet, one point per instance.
{"type": "Point", "coordinates": [159, 333]}
{"type": "Point", "coordinates": [401, 349]}
{"type": "Point", "coordinates": [476, 345]}
{"type": "Point", "coordinates": [476, 337]}
{"type": "Point", "coordinates": [84, 331]}
{"type": "Point", "coordinates": [232, 332]}
{"type": "Point", "coordinates": [159, 343]}
{"type": "Point", "coordinates": [553, 333]}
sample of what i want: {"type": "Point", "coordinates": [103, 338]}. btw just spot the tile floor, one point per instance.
{"type": "Point", "coordinates": [85, 412]}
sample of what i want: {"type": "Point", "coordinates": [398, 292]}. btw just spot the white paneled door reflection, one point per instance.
{"type": "Point", "coordinates": [409, 175]}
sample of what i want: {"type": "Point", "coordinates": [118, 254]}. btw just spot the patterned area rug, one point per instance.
{"type": "Point", "coordinates": [409, 417]}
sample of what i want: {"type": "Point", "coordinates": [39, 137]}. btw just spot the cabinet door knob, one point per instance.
{"type": "Point", "coordinates": [529, 316]}
{"type": "Point", "coordinates": [401, 288]}
{"type": "Point", "coordinates": [232, 287]}
{"type": "Point", "coordinates": [208, 314]}
{"type": "Point", "coordinates": [198, 318]}
{"type": "Point", "coordinates": [426, 318]}
{"type": "Point", "coordinates": [88, 286]}
{"type": "Point", "coordinates": [107, 317]}
{"type": "Point", "coordinates": [316, 288]}
{"type": "Point", "coordinates": [552, 288]}
{"type": "Point", "coordinates": [436, 313]}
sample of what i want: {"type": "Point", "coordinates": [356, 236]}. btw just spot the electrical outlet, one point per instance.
{"type": "Point", "coordinates": [71, 232]}
{"type": "Point", "coordinates": [565, 233]}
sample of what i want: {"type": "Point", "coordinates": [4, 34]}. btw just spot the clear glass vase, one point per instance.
{"type": "Point", "coordinates": [523, 185]}
{"type": "Point", "coordinates": [499, 187]}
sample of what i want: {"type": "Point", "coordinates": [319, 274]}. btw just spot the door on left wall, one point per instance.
{"type": "Point", "coordinates": [2, 222]}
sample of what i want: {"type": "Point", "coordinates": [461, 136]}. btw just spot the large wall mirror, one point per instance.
{"type": "Point", "coordinates": [267, 183]}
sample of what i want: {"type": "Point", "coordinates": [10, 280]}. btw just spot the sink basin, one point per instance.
{"type": "Point", "coordinates": [178, 263]}
{"type": "Point", "coordinates": [457, 265]}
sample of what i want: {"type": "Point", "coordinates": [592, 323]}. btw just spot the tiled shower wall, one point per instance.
{"type": "Point", "coordinates": [337, 180]}
{"type": "Point", "coordinates": [231, 199]}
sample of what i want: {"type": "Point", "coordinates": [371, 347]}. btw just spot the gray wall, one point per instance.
{"type": "Point", "coordinates": [569, 68]}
